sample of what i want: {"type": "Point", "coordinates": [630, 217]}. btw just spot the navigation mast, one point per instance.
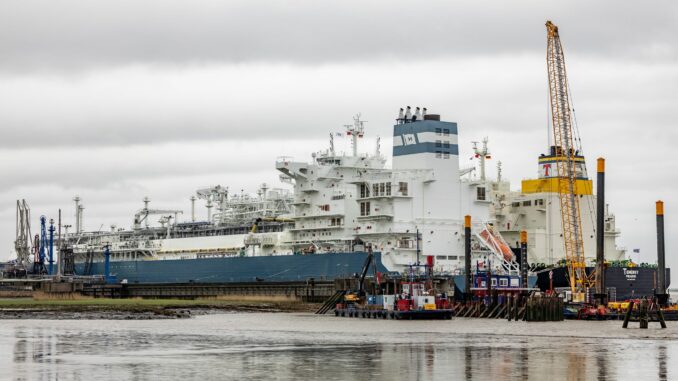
{"type": "Point", "coordinates": [355, 131]}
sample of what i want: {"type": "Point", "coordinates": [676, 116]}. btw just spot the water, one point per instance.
{"type": "Point", "coordinates": [296, 346]}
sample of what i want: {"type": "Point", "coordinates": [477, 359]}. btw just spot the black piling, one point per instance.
{"type": "Point", "coordinates": [601, 293]}
{"type": "Point", "coordinates": [662, 296]}
{"type": "Point", "coordinates": [467, 257]}
{"type": "Point", "coordinates": [544, 308]}
{"type": "Point", "coordinates": [523, 259]}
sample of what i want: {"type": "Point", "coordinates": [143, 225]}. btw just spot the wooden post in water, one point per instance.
{"type": "Point", "coordinates": [643, 315]}
{"type": "Point", "coordinates": [627, 317]}
{"type": "Point", "coordinates": [660, 316]}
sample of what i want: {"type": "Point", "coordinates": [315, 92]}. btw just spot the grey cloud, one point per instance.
{"type": "Point", "coordinates": [76, 35]}
{"type": "Point", "coordinates": [148, 105]}
{"type": "Point", "coordinates": [90, 89]}
{"type": "Point", "coordinates": [120, 168]}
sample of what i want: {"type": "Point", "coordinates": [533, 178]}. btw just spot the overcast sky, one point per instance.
{"type": "Point", "coordinates": [118, 100]}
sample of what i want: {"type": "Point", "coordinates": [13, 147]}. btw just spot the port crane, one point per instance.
{"type": "Point", "coordinates": [566, 151]}
{"type": "Point", "coordinates": [22, 244]}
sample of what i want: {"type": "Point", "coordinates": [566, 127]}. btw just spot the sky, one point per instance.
{"type": "Point", "coordinates": [115, 101]}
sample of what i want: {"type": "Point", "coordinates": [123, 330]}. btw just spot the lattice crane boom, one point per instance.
{"type": "Point", "coordinates": [561, 114]}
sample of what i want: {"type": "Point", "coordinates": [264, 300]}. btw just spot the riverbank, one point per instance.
{"type": "Point", "coordinates": [141, 309]}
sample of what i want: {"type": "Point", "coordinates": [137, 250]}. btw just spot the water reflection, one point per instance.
{"type": "Point", "coordinates": [219, 347]}
{"type": "Point", "coordinates": [661, 356]}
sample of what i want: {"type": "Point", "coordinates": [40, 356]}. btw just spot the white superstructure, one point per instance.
{"type": "Point", "coordinates": [536, 209]}
{"type": "Point", "coordinates": [346, 200]}
{"type": "Point", "coordinates": [340, 202]}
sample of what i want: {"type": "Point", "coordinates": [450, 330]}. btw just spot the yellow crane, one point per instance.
{"type": "Point", "coordinates": [563, 139]}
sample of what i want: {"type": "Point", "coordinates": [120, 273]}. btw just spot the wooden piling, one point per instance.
{"type": "Point", "coordinates": [627, 317]}
{"type": "Point", "coordinates": [643, 315]}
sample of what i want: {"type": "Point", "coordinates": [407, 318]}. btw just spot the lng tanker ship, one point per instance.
{"type": "Point", "coordinates": [339, 204]}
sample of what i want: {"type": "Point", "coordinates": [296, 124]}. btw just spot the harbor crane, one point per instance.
{"type": "Point", "coordinates": [22, 244]}
{"type": "Point", "coordinates": [566, 151]}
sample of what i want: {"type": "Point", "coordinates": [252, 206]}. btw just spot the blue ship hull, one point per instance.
{"type": "Point", "coordinates": [284, 268]}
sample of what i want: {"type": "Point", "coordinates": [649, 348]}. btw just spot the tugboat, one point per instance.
{"type": "Point", "coordinates": [417, 298]}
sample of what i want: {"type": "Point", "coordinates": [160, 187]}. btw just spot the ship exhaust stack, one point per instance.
{"type": "Point", "coordinates": [601, 290]}
{"type": "Point", "coordinates": [523, 260]}
{"type": "Point", "coordinates": [467, 257]}
{"type": "Point", "coordinates": [662, 296]}
{"type": "Point", "coordinates": [193, 208]}
{"type": "Point", "coordinates": [78, 215]}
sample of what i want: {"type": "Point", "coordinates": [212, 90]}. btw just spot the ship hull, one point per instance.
{"type": "Point", "coordinates": [283, 268]}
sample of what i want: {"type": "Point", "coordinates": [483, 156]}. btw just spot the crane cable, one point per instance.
{"type": "Point", "coordinates": [589, 200]}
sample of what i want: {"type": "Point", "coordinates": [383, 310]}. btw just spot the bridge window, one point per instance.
{"type": "Point", "coordinates": [527, 203]}
{"type": "Point", "coordinates": [364, 191]}
{"type": "Point", "coordinates": [365, 208]}
{"type": "Point", "coordinates": [402, 188]}
{"type": "Point", "coordinates": [480, 193]}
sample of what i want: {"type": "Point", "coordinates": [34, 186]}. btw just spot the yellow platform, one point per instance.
{"type": "Point", "coordinates": [550, 185]}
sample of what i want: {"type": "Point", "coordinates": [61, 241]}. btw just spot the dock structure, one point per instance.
{"type": "Point", "coordinates": [512, 307]}
{"type": "Point", "coordinates": [97, 286]}
{"type": "Point", "coordinates": [645, 312]}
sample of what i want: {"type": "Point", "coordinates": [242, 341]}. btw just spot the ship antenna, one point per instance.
{"type": "Point", "coordinates": [481, 154]}
{"type": "Point", "coordinates": [499, 171]}
{"type": "Point", "coordinates": [331, 144]}
{"type": "Point", "coordinates": [378, 150]}
{"type": "Point", "coordinates": [355, 131]}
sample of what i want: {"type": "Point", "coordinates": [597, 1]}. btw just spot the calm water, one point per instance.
{"type": "Point", "coordinates": [295, 346]}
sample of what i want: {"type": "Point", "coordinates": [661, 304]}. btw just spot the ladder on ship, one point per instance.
{"type": "Point", "coordinates": [331, 302]}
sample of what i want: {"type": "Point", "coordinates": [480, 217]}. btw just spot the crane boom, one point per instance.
{"type": "Point", "coordinates": [561, 114]}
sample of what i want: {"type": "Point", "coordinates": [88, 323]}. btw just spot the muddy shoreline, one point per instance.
{"type": "Point", "coordinates": [144, 309]}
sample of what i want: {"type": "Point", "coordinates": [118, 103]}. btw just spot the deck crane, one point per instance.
{"type": "Point", "coordinates": [142, 215]}
{"type": "Point", "coordinates": [566, 150]}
